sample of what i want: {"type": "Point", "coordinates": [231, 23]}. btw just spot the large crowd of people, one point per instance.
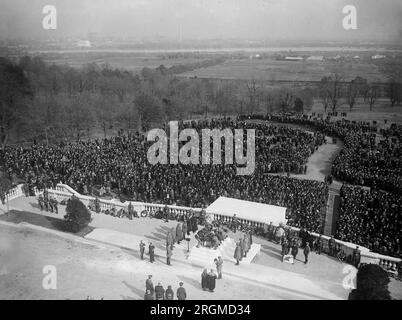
{"type": "Point", "coordinates": [371, 157]}
{"type": "Point", "coordinates": [372, 219]}
{"type": "Point", "coordinates": [120, 164]}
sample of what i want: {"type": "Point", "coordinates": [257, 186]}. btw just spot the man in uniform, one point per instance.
{"type": "Point", "coordinates": [151, 252]}
{"type": "Point", "coordinates": [142, 249]}
{"type": "Point", "coordinates": [159, 292]}
{"type": "Point", "coordinates": [181, 292]}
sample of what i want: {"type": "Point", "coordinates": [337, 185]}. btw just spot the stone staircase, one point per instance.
{"type": "Point", "coordinates": [205, 256]}
{"type": "Point", "coordinates": [331, 214]}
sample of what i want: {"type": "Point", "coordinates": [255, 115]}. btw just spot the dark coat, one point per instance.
{"type": "Point", "coordinates": [306, 251]}
{"type": "Point", "coordinates": [181, 293]}
{"type": "Point", "coordinates": [211, 281]}
{"type": "Point", "coordinates": [149, 285]}
{"type": "Point", "coordinates": [237, 253]}
{"type": "Point", "coordinates": [204, 280]}
{"type": "Point", "coordinates": [179, 232]}
{"type": "Point", "coordinates": [159, 293]}
{"type": "Point", "coordinates": [169, 294]}
{"type": "Point", "coordinates": [184, 228]}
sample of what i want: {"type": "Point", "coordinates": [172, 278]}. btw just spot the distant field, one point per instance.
{"type": "Point", "coordinates": [131, 62]}
{"type": "Point", "coordinates": [270, 69]}
{"type": "Point", "coordinates": [382, 110]}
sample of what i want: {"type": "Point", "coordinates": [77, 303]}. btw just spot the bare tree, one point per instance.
{"type": "Point", "coordinates": [372, 95]}
{"type": "Point", "coordinates": [253, 96]}
{"type": "Point", "coordinates": [332, 86]}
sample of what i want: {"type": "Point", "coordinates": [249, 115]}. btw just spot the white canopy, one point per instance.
{"type": "Point", "coordinates": [253, 211]}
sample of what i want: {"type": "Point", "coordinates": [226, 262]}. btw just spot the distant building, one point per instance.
{"type": "Point", "coordinates": [294, 58]}
{"type": "Point", "coordinates": [378, 56]}
{"type": "Point", "coordinates": [315, 58]}
{"type": "Point", "coordinates": [84, 44]}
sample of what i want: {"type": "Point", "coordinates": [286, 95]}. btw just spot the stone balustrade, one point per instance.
{"type": "Point", "coordinates": [63, 192]}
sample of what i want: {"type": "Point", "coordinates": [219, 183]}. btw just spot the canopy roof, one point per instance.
{"type": "Point", "coordinates": [258, 212]}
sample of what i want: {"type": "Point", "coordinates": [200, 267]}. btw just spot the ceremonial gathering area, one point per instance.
{"type": "Point", "coordinates": [260, 237]}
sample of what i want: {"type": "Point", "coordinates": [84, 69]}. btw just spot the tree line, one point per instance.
{"type": "Point", "coordinates": [46, 102]}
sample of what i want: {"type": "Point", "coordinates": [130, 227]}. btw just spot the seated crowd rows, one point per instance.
{"type": "Point", "coordinates": [120, 163]}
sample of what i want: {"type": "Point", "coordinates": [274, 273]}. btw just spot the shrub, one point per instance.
{"type": "Point", "coordinates": [77, 215]}
{"type": "Point", "coordinates": [371, 284]}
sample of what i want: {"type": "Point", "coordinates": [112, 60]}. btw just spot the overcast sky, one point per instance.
{"type": "Point", "coordinates": [205, 19]}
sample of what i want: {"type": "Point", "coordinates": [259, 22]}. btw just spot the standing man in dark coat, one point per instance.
{"type": "Point", "coordinates": [168, 254]}
{"type": "Point", "coordinates": [189, 227]}
{"type": "Point", "coordinates": [211, 281]}
{"type": "Point", "coordinates": [181, 292]}
{"type": "Point", "coordinates": [318, 244]}
{"type": "Point", "coordinates": [179, 233]}
{"type": "Point", "coordinates": [306, 252]}
{"type": "Point", "coordinates": [219, 264]}
{"type": "Point", "coordinates": [194, 224]}
{"type": "Point", "coordinates": [295, 249]}
{"type": "Point", "coordinates": [242, 248]}
{"type": "Point", "coordinates": [331, 246]}
{"type": "Point", "coordinates": [184, 229]}
{"type": "Point", "coordinates": [284, 247]}
{"type": "Point", "coordinates": [204, 280]}
{"type": "Point", "coordinates": [356, 256]}
{"type": "Point", "coordinates": [149, 285]}
{"type": "Point", "coordinates": [151, 252]}
{"type": "Point", "coordinates": [237, 254]}
{"type": "Point", "coordinates": [142, 249]}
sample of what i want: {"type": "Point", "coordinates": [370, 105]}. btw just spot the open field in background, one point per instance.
{"type": "Point", "coordinates": [382, 110]}
{"type": "Point", "coordinates": [260, 69]}
{"type": "Point", "coordinates": [131, 62]}
{"type": "Point", "coordinates": [271, 69]}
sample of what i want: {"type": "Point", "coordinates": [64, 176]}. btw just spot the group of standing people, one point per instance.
{"type": "Point", "coordinates": [159, 293]}
{"type": "Point", "coordinates": [292, 247]}
{"type": "Point", "coordinates": [243, 247]}
{"type": "Point", "coordinates": [47, 203]}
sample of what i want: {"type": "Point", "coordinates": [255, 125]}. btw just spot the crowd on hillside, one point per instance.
{"type": "Point", "coordinates": [120, 164]}
{"type": "Point", "coordinates": [372, 219]}
{"type": "Point", "coordinates": [371, 156]}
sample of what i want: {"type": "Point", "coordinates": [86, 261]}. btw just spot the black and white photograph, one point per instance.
{"type": "Point", "coordinates": [217, 150]}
